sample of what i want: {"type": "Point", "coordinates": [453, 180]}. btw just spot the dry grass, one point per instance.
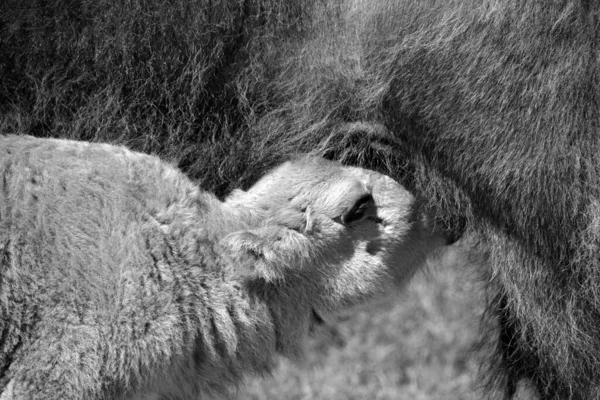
{"type": "Point", "coordinates": [420, 347]}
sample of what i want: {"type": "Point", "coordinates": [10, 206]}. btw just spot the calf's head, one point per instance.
{"type": "Point", "coordinates": [326, 237]}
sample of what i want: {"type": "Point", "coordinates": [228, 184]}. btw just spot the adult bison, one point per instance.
{"type": "Point", "coordinates": [492, 110]}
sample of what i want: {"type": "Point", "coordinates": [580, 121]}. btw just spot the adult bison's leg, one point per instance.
{"type": "Point", "coordinates": [519, 359]}
{"type": "Point", "coordinates": [507, 343]}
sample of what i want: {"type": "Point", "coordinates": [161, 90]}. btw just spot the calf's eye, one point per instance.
{"type": "Point", "coordinates": [363, 207]}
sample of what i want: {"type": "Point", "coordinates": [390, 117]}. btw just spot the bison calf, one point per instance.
{"type": "Point", "coordinates": [119, 278]}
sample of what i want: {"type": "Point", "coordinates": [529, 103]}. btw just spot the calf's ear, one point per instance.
{"type": "Point", "coordinates": [267, 253]}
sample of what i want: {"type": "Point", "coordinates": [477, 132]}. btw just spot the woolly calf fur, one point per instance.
{"type": "Point", "coordinates": [120, 279]}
